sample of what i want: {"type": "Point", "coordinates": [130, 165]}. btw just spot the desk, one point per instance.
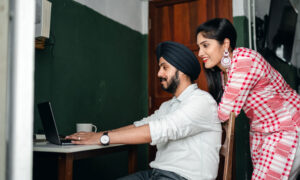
{"type": "Point", "coordinates": [67, 154]}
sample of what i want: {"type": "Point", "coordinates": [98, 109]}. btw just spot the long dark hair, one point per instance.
{"type": "Point", "coordinates": [218, 29]}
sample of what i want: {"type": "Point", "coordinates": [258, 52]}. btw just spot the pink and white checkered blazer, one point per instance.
{"type": "Point", "coordinates": [272, 107]}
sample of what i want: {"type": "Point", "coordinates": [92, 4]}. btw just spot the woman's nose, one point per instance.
{"type": "Point", "coordinates": [200, 53]}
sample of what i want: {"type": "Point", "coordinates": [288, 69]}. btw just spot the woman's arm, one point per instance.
{"type": "Point", "coordinates": [243, 76]}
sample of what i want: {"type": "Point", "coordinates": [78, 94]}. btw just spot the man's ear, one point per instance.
{"type": "Point", "coordinates": [184, 76]}
{"type": "Point", "coordinates": [181, 74]}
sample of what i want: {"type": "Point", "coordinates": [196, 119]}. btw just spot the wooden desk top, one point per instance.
{"type": "Point", "coordinates": [66, 154]}
{"type": "Point", "coordinates": [48, 147]}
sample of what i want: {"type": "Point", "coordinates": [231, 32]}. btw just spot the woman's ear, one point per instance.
{"type": "Point", "coordinates": [226, 43]}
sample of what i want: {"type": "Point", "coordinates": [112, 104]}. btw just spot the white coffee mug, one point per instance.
{"type": "Point", "coordinates": [86, 127]}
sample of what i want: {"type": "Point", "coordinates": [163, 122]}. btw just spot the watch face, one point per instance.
{"type": "Point", "coordinates": [104, 139]}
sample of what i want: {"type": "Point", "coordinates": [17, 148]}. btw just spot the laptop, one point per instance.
{"type": "Point", "coordinates": [49, 124]}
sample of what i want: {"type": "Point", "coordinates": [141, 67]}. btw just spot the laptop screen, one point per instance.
{"type": "Point", "coordinates": [48, 121]}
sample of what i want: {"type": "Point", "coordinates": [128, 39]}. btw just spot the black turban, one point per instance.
{"type": "Point", "coordinates": [179, 56]}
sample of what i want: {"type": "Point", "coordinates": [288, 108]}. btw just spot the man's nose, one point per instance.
{"type": "Point", "coordinates": [159, 73]}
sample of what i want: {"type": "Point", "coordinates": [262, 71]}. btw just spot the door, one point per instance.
{"type": "Point", "coordinates": [177, 20]}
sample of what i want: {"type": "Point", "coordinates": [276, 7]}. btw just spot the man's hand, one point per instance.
{"type": "Point", "coordinates": [85, 138]}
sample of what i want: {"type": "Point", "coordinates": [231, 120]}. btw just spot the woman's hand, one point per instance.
{"type": "Point", "coordinates": [85, 138]}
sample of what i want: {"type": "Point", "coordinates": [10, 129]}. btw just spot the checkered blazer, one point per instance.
{"type": "Point", "coordinates": [272, 107]}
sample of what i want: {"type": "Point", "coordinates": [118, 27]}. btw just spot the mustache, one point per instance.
{"type": "Point", "coordinates": [162, 79]}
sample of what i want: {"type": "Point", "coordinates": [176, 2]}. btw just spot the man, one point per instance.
{"type": "Point", "coordinates": [185, 129]}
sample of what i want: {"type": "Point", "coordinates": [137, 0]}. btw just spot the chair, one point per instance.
{"type": "Point", "coordinates": [227, 148]}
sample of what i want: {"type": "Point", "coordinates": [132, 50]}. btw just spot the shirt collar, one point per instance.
{"type": "Point", "coordinates": [186, 92]}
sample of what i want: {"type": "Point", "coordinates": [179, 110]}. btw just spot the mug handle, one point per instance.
{"type": "Point", "coordinates": [95, 128]}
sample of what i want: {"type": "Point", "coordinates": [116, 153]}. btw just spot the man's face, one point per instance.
{"type": "Point", "coordinates": [168, 76]}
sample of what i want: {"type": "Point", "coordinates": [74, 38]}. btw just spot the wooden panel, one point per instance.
{"type": "Point", "coordinates": [211, 6]}
{"type": "Point", "coordinates": [166, 21]}
{"type": "Point", "coordinates": [176, 21]}
{"type": "Point", "coordinates": [224, 9]}
{"type": "Point", "coordinates": [181, 20]}
{"type": "Point", "coordinates": [219, 8]}
{"type": "Point", "coordinates": [159, 3]}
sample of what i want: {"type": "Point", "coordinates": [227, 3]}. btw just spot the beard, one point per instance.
{"type": "Point", "coordinates": [174, 82]}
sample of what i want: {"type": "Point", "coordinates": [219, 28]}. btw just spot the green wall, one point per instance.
{"type": "Point", "coordinates": [243, 164]}
{"type": "Point", "coordinates": [92, 70]}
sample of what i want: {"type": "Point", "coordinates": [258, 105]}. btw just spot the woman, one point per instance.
{"type": "Point", "coordinates": [240, 78]}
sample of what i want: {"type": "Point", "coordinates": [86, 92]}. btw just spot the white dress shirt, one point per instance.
{"type": "Point", "coordinates": [187, 133]}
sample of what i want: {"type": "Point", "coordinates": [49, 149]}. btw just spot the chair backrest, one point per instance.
{"type": "Point", "coordinates": [227, 147]}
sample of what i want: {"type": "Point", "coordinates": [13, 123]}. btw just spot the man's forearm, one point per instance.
{"type": "Point", "coordinates": [124, 127]}
{"type": "Point", "coordinates": [130, 135]}
{"type": "Point", "coordinates": [125, 135]}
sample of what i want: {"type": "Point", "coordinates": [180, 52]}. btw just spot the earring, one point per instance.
{"type": "Point", "coordinates": [226, 60]}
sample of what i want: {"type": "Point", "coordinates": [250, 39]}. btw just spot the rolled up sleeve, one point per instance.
{"type": "Point", "coordinates": [154, 116]}
{"type": "Point", "coordinates": [196, 114]}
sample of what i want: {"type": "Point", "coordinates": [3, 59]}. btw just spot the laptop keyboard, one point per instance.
{"type": "Point", "coordinates": [66, 141]}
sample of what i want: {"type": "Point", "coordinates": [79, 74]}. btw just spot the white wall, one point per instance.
{"type": "Point", "coordinates": [3, 85]}
{"type": "Point", "coordinates": [239, 8]}
{"type": "Point", "coordinates": [131, 13]}
{"type": "Point", "coordinates": [262, 8]}
{"type": "Point", "coordinates": [21, 79]}
{"type": "Point", "coordinates": [134, 13]}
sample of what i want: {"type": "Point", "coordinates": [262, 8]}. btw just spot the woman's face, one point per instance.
{"type": "Point", "coordinates": [210, 51]}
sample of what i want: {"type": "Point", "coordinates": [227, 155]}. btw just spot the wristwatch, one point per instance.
{"type": "Point", "coordinates": [104, 139]}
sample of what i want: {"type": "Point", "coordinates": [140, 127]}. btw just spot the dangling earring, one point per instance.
{"type": "Point", "coordinates": [226, 60]}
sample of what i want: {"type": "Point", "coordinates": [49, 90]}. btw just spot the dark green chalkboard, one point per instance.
{"type": "Point", "coordinates": [92, 70]}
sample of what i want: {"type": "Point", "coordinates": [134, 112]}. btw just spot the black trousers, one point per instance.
{"type": "Point", "coordinates": [153, 174]}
